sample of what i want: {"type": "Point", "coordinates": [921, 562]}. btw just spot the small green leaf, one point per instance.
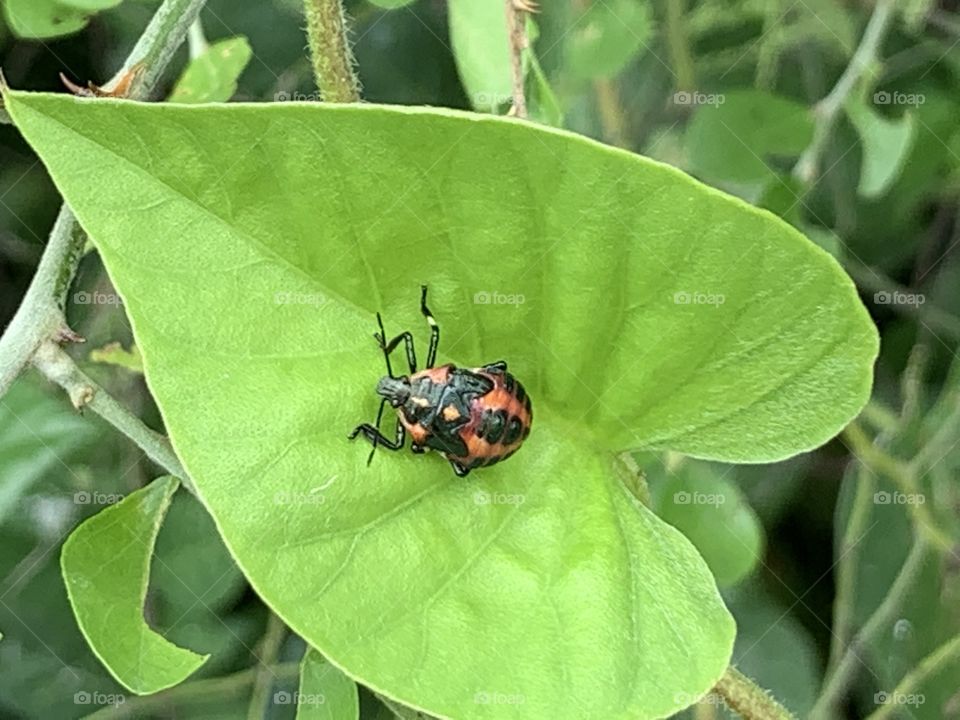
{"type": "Point", "coordinates": [607, 37]}
{"type": "Point", "coordinates": [481, 48]}
{"type": "Point", "coordinates": [391, 4]}
{"type": "Point", "coordinates": [738, 136]}
{"type": "Point", "coordinates": [114, 354]}
{"type": "Point", "coordinates": [90, 6]}
{"type": "Point", "coordinates": [886, 146]}
{"type": "Point", "coordinates": [540, 588]}
{"type": "Point", "coordinates": [106, 566]}
{"type": "Point", "coordinates": [212, 77]}
{"type": "Point", "coordinates": [325, 692]}
{"type": "Point", "coordinates": [698, 500]}
{"type": "Point", "coordinates": [43, 18]}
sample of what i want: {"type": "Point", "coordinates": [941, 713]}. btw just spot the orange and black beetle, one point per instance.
{"type": "Point", "coordinates": [474, 418]}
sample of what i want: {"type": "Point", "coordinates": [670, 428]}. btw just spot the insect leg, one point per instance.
{"type": "Point", "coordinates": [500, 366]}
{"type": "Point", "coordinates": [459, 469]}
{"type": "Point", "coordinates": [375, 436]}
{"type": "Point", "coordinates": [434, 328]}
{"type": "Point", "coordinates": [389, 347]}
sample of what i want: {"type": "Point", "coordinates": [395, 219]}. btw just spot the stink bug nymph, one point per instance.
{"type": "Point", "coordinates": [473, 417]}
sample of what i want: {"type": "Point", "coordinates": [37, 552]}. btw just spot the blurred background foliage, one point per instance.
{"type": "Point", "coordinates": [727, 90]}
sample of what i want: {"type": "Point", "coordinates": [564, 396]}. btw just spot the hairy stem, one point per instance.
{"type": "Point", "coordinates": [882, 617]}
{"type": "Point", "coordinates": [327, 31]}
{"type": "Point", "coordinates": [516, 31]}
{"type": "Point", "coordinates": [828, 110]}
{"type": "Point", "coordinates": [58, 367]}
{"type": "Point", "coordinates": [928, 667]}
{"type": "Point", "coordinates": [751, 702]}
{"type": "Point", "coordinates": [40, 315]}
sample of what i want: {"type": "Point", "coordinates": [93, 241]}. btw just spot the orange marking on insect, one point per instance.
{"type": "Point", "coordinates": [450, 413]}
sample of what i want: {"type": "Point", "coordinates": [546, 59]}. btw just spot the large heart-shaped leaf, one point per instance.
{"type": "Point", "coordinates": [252, 244]}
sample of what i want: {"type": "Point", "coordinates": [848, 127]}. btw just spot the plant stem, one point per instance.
{"type": "Point", "coordinates": [58, 367]}
{"type": "Point", "coordinates": [227, 687]}
{"type": "Point", "coordinates": [41, 314]}
{"type": "Point", "coordinates": [828, 110]}
{"type": "Point", "coordinates": [332, 60]}
{"type": "Point", "coordinates": [196, 40]}
{"type": "Point", "coordinates": [611, 112]}
{"type": "Point", "coordinates": [679, 46]}
{"type": "Point", "coordinates": [906, 480]}
{"type": "Point", "coordinates": [516, 32]}
{"type": "Point", "coordinates": [747, 699]}
{"type": "Point", "coordinates": [881, 618]}
{"type": "Point", "coordinates": [929, 666]}
{"type": "Point", "coordinates": [849, 558]}
{"type": "Point", "coordinates": [267, 654]}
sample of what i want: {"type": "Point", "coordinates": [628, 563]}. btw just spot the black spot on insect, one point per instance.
{"type": "Point", "coordinates": [514, 428]}
{"type": "Point", "coordinates": [508, 383]}
{"type": "Point", "coordinates": [520, 393]}
{"type": "Point", "coordinates": [493, 424]}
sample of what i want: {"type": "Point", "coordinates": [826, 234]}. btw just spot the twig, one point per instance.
{"type": "Point", "coordinates": [681, 59]}
{"type": "Point", "coordinates": [516, 31]}
{"type": "Point", "coordinates": [327, 31]}
{"type": "Point", "coordinates": [905, 478]}
{"type": "Point", "coordinates": [882, 617]}
{"type": "Point", "coordinates": [138, 706]}
{"type": "Point", "coordinates": [849, 558]}
{"type": "Point", "coordinates": [611, 112]}
{"type": "Point", "coordinates": [930, 665]}
{"type": "Point", "coordinates": [751, 702]}
{"type": "Point", "coordinates": [873, 280]}
{"type": "Point", "coordinates": [828, 110]}
{"type": "Point", "coordinates": [58, 367]}
{"type": "Point", "coordinates": [267, 653]}
{"type": "Point", "coordinates": [40, 315]}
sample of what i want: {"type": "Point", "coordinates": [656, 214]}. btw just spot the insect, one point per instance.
{"type": "Point", "coordinates": [473, 417]}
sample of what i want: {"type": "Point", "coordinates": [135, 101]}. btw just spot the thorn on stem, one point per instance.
{"type": "Point", "coordinates": [65, 334]}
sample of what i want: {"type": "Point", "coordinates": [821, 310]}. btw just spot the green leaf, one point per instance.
{"type": "Point", "coordinates": [212, 77]}
{"type": "Point", "coordinates": [391, 4]}
{"type": "Point", "coordinates": [114, 354]}
{"type": "Point", "coordinates": [886, 146]}
{"type": "Point", "coordinates": [106, 566]}
{"type": "Point", "coordinates": [739, 135]}
{"type": "Point", "coordinates": [325, 692]}
{"type": "Point", "coordinates": [43, 18]}
{"type": "Point", "coordinates": [90, 5]}
{"type": "Point", "coordinates": [481, 47]}
{"type": "Point", "coordinates": [699, 501]}
{"type": "Point", "coordinates": [607, 37]}
{"type": "Point", "coordinates": [518, 593]}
